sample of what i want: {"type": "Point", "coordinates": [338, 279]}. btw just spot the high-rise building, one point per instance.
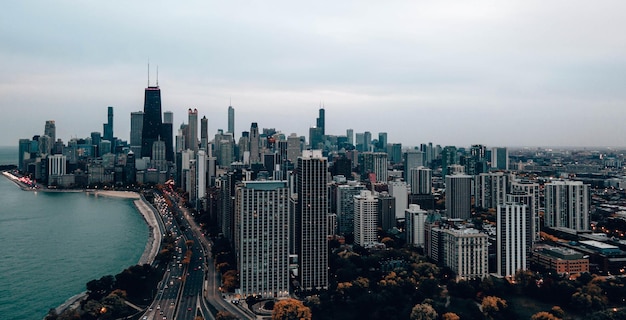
{"type": "Point", "coordinates": [345, 205]}
{"type": "Point", "coordinates": [386, 211]}
{"type": "Point", "coordinates": [231, 120]}
{"type": "Point", "coordinates": [415, 224]}
{"type": "Point", "coordinates": [158, 160]}
{"type": "Point", "coordinates": [201, 172]}
{"type": "Point", "coordinates": [255, 144]}
{"type": "Point", "coordinates": [204, 134]}
{"type": "Point", "coordinates": [395, 152]}
{"type": "Point", "coordinates": [513, 238]}
{"type": "Point", "coordinates": [192, 142]}
{"type": "Point", "coordinates": [311, 219]}
{"type": "Point", "coordinates": [50, 130]}
{"type": "Point", "coordinates": [527, 192]}
{"type": "Point", "coordinates": [262, 214]}
{"type": "Point", "coordinates": [375, 163]}
{"type": "Point", "coordinates": [400, 191]}
{"type": "Point", "coordinates": [382, 141]}
{"type": "Point", "coordinates": [567, 205]}
{"type": "Point", "coordinates": [350, 134]}
{"type": "Point", "coordinates": [23, 153]}
{"type": "Point", "coordinates": [168, 117]}
{"type": "Point", "coordinates": [420, 179]}
{"type": "Point", "coordinates": [412, 159]}
{"type": "Point", "coordinates": [107, 131]}
{"type": "Point", "coordinates": [491, 189]}
{"type": "Point", "coordinates": [321, 121]}
{"type": "Point", "coordinates": [449, 157]}
{"type": "Point", "coordinates": [57, 165]}
{"type": "Point", "coordinates": [136, 127]}
{"type": "Point", "coordinates": [476, 162]}
{"type": "Point", "coordinates": [365, 208]}
{"type": "Point", "coordinates": [465, 251]}
{"type": "Point", "coordinates": [500, 158]}
{"type": "Point", "coordinates": [293, 147]}
{"type": "Point", "coordinates": [458, 196]}
{"type": "Point", "coordinates": [367, 141]}
{"type": "Point", "coordinates": [151, 128]}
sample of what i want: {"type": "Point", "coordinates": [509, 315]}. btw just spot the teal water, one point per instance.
{"type": "Point", "coordinates": [8, 155]}
{"type": "Point", "coordinates": [51, 244]}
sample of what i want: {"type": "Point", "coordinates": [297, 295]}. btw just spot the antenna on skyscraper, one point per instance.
{"type": "Point", "coordinates": [157, 83]}
{"type": "Point", "coordinates": [148, 72]}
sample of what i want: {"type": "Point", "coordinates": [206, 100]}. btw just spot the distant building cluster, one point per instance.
{"type": "Point", "coordinates": [279, 198]}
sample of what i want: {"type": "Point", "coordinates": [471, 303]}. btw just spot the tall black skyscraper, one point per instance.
{"type": "Point", "coordinates": [108, 127]}
{"type": "Point", "coordinates": [152, 123]}
{"type": "Point", "coordinates": [321, 121]}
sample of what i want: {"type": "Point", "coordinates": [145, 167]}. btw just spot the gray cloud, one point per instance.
{"type": "Point", "coordinates": [491, 72]}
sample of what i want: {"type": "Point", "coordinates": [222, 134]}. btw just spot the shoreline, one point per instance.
{"type": "Point", "coordinates": [142, 206]}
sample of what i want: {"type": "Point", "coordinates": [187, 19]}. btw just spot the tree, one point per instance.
{"type": "Point", "coordinates": [225, 315]}
{"type": "Point", "coordinates": [291, 309]}
{"type": "Point", "coordinates": [423, 311]}
{"type": "Point", "coordinates": [557, 312]}
{"type": "Point", "coordinates": [493, 306]}
{"type": "Point", "coordinates": [450, 316]}
{"type": "Point", "coordinates": [543, 315]}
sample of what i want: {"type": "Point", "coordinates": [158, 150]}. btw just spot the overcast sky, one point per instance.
{"type": "Point", "coordinates": [499, 73]}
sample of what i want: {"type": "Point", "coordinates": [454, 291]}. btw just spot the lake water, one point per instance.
{"type": "Point", "coordinates": [52, 244]}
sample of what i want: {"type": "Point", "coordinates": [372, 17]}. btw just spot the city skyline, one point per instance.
{"type": "Point", "coordinates": [499, 74]}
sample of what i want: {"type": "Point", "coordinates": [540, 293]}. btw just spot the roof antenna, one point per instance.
{"type": "Point", "coordinates": [148, 72]}
{"type": "Point", "coordinates": [230, 102]}
{"type": "Point", "coordinates": [157, 83]}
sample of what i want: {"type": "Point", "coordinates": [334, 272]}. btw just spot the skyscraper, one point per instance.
{"type": "Point", "coordinates": [204, 134]}
{"type": "Point", "coordinates": [168, 117]}
{"type": "Point", "coordinates": [262, 214]}
{"type": "Point", "coordinates": [350, 134]}
{"type": "Point", "coordinates": [365, 219]}
{"type": "Point", "coordinates": [420, 179]}
{"type": "Point", "coordinates": [107, 131]}
{"type": "Point", "coordinates": [345, 206]}
{"type": "Point", "coordinates": [412, 159]}
{"type": "Point", "coordinates": [513, 238]}
{"type": "Point", "coordinates": [567, 205]}
{"type": "Point", "coordinates": [375, 163]}
{"type": "Point", "coordinates": [415, 224]}
{"type": "Point", "coordinates": [311, 219]}
{"type": "Point", "coordinates": [255, 141]}
{"type": "Point", "coordinates": [500, 158]}
{"type": "Point", "coordinates": [458, 196]}
{"type": "Point", "coordinates": [490, 190]}
{"type": "Point", "coordinates": [231, 120]}
{"type": "Point", "coordinates": [136, 126]}
{"type": "Point", "coordinates": [321, 121]}
{"type": "Point", "coordinates": [193, 130]}
{"type": "Point", "coordinates": [50, 130]}
{"type": "Point", "coordinates": [151, 128]}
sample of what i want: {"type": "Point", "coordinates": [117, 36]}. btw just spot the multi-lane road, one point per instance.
{"type": "Point", "coordinates": [188, 290]}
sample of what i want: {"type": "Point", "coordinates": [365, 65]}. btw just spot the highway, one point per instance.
{"type": "Point", "coordinates": [210, 277]}
{"type": "Point", "coordinates": [189, 289]}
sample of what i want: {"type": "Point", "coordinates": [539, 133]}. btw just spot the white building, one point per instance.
{"type": "Point", "coordinates": [465, 252]}
{"type": "Point", "coordinates": [415, 223]}
{"type": "Point", "coordinates": [420, 179]}
{"type": "Point", "coordinates": [513, 235]}
{"type": "Point", "coordinates": [490, 190]}
{"type": "Point", "coordinates": [400, 191]}
{"type": "Point", "coordinates": [567, 205]}
{"type": "Point", "coordinates": [365, 218]}
{"type": "Point", "coordinates": [262, 209]}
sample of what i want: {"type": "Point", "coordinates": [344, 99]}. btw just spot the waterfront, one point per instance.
{"type": "Point", "coordinates": [53, 243]}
